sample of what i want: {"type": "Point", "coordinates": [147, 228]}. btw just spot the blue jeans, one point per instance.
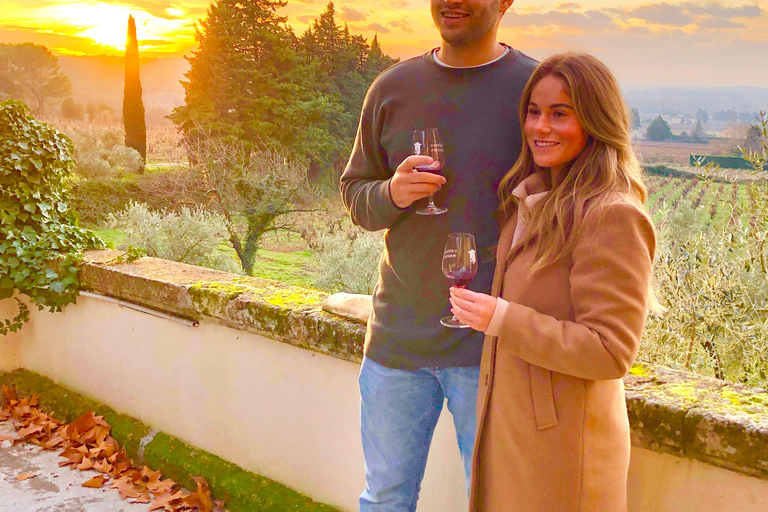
{"type": "Point", "coordinates": [398, 413]}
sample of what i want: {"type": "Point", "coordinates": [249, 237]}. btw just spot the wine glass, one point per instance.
{"type": "Point", "coordinates": [459, 266]}
{"type": "Point", "coordinates": [428, 142]}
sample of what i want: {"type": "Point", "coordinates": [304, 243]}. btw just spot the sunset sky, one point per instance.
{"type": "Point", "coordinates": [666, 43]}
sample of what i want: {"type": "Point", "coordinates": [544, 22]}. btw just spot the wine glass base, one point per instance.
{"type": "Point", "coordinates": [432, 210]}
{"type": "Point", "coordinates": [452, 321]}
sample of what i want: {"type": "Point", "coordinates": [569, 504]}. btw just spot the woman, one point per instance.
{"type": "Point", "coordinates": [569, 300]}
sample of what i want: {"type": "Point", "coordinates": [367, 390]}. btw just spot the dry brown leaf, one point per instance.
{"type": "Point", "coordinates": [165, 499]}
{"type": "Point", "coordinates": [7, 438]}
{"type": "Point", "coordinates": [96, 482]}
{"type": "Point", "coordinates": [9, 393]}
{"type": "Point", "coordinates": [102, 466]}
{"type": "Point", "coordinates": [82, 424]}
{"type": "Point", "coordinates": [32, 429]}
{"type": "Point", "coordinates": [126, 488]}
{"type": "Point", "coordinates": [85, 464]}
{"type": "Point", "coordinates": [203, 494]}
{"type": "Point", "coordinates": [144, 498]}
{"type": "Point", "coordinates": [25, 476]}
{"type": "Point", "coordinates": [164, 486]}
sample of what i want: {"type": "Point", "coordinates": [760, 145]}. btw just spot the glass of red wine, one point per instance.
{"type": "Point", "coordinates": [428, 142]}
{"type": "Point", "coordinates": [459, 266]}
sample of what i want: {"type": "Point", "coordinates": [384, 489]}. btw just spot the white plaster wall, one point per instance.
{"type": "Point", "coordinates": [659, 482]}
{"type": "Point", "coordinates": [287, 413]}
{"type": "Point", "coordinates": [274, 409]}
{"type": "Point", "coordinates": [9, 344]}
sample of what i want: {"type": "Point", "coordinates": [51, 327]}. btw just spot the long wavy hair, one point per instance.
{"type": "Point", "coordinates": [605, 167]}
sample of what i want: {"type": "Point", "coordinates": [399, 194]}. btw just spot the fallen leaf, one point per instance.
{"type": "Point", "coordinates": [126, 488]}
{"type": "Point", "coordinates": [103, 466]}
{"type": "Point", "coordinates": [85, 464]}
{"type": "Point", "coordinates": [24, 476]}
{"type": "Point", "coordinates": [81, 425]}
{"type": "Point", "coordinates": [165, 499]}
{"type": "Point", "coordinates": [7, 438]}
{"type": "Point", "coordinates": [95, 482]}
{"type": "Point", "coordinates": [144, 498]}
{"type": "Point", "coordinates": [32, 429]}
{"type": "Point", "coordinates": [9, 393]}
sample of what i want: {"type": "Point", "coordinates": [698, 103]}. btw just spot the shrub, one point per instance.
{"type": "Point", "coordinates": [100, 152]}
{"type": "Point", "coordinates": [188, 236]}
{"type": "Point", "coordinates": [95, 199]}
{"type": "Point", "coordinates": [39, 242]}
{"type": "Point", "coordinates": [714, 285]}
{"type": "Point", "coordinates": [348, 262]}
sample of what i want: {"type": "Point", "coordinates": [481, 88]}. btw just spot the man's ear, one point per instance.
{"type": "Point", "coordinates": [505, 4]}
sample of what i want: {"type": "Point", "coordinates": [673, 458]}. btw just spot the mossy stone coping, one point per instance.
{"type": "Point", "coordinates": [670, 411]}
{"type": "Point", "coordinates": [286, 313]}
{"type": "Point", "coordinates": [710, 420]}
{"type": "Point", "coordinates": [243, 491]}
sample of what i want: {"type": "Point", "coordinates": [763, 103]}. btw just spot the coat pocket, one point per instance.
{"type": "Point", "coordinates": [543, 397]}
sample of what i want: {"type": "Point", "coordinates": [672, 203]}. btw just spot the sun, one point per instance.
{"type": "Point", "coordinates": [104, 24]}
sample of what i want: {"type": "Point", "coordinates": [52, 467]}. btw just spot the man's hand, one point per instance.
{"type": "Point", "coordinates": [407, 185]}
{"type": "Point", "coordinates": [473, 308]}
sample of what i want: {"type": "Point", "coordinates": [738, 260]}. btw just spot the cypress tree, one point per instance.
{"type": "Point", "coordinates": [133, 106]}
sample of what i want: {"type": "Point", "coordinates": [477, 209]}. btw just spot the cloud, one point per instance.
{"type": "Point", "coordinates": [307, 18]}
{"type": "Point", "coordinates": [381, 29]}
{"type": "Point", "coordinates": [720, 23]}
{"type": "Point", "coordinates": [591, 21]}
{"type": "Point", "coordinates": [716, 10]}
{"type": "Point", "coordinates": [402, 25]}
{"type": "Point", "coordinates": [349, 14]}
{"type": "Point", "coordinates": [568, 16]}
{"type": "Point", "coordinates": [662, 14]}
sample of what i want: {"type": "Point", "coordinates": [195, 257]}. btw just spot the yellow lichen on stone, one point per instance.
{"type": "Point", "coordinates": [640, 370]}
{"type": "Point", "coordinates": [686, 392]}
{"type": "Point", "coordinates": [294, 297]}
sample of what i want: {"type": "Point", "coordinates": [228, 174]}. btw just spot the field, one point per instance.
{"type": "Point", "coordinates": [711, 200]}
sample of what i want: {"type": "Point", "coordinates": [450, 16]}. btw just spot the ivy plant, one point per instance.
{"type": "Point", "coordinates": [40, 243]}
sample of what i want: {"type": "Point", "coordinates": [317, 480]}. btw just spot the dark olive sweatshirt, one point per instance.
{"type": "Point", "coordinates": [476, 111]}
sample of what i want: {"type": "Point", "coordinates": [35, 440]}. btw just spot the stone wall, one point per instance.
{"type": "Point", "coordinates": [298, 407]}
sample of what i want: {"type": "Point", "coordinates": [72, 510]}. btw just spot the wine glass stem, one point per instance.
{"type": "Point", "coordinates": [432, 202]}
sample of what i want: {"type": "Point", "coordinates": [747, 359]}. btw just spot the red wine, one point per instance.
{"type": "Point", "coordinates": [427, 168]}
{"type": "Point", "coordinates": [461, 277]}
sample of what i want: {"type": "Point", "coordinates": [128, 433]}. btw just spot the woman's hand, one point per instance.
{"type": "Point", "coordinates": [473, 308]}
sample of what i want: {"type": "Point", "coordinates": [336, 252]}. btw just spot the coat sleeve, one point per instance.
{"type": "Point", "coordinates": [610, 277]}
{"type": "Point", "coordinates": [365, 181]}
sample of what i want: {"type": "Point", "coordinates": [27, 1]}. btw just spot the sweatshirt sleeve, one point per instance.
{"type": "Point", "coordinates": [365, 181]}
{"type": "Point", "coordinates": [610, 277]}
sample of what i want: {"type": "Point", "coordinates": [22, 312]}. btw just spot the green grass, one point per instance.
{"type": "Point", "coordinates": [113, 237]}
{"type": "Point", "coordinates": [294, 268]}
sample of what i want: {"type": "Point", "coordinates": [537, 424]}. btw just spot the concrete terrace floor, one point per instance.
{"type": "Point", "coordinates": [53, 489]}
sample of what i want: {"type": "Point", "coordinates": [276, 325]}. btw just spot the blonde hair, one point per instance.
{"type": "Point", "coordinates": [605, 166]}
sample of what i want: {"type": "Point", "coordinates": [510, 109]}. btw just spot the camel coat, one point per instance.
{"type": "Point", "coordinates": [553, 433]}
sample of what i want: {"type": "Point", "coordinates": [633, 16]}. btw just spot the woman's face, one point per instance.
{"type": "Point", "coordinates": [553, 132]}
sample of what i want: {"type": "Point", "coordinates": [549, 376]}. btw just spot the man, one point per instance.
{"type": "Point", "coordinates": [470, 90]}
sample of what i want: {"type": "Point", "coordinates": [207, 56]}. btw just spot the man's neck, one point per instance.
{"type": "Point", "coordinates": [466, 57]}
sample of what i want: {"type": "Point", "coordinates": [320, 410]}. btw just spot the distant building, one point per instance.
{"type": "Point", "coordinates": [730, 133]}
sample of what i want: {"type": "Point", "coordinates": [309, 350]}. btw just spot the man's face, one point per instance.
{"type": "Point", "coordinates": [463, 23]}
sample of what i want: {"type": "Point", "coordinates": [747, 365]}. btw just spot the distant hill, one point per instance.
{"type": "Point", "coordinates": [687, 100]}
{"type": "Point", "coordinates": [99, 79]}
